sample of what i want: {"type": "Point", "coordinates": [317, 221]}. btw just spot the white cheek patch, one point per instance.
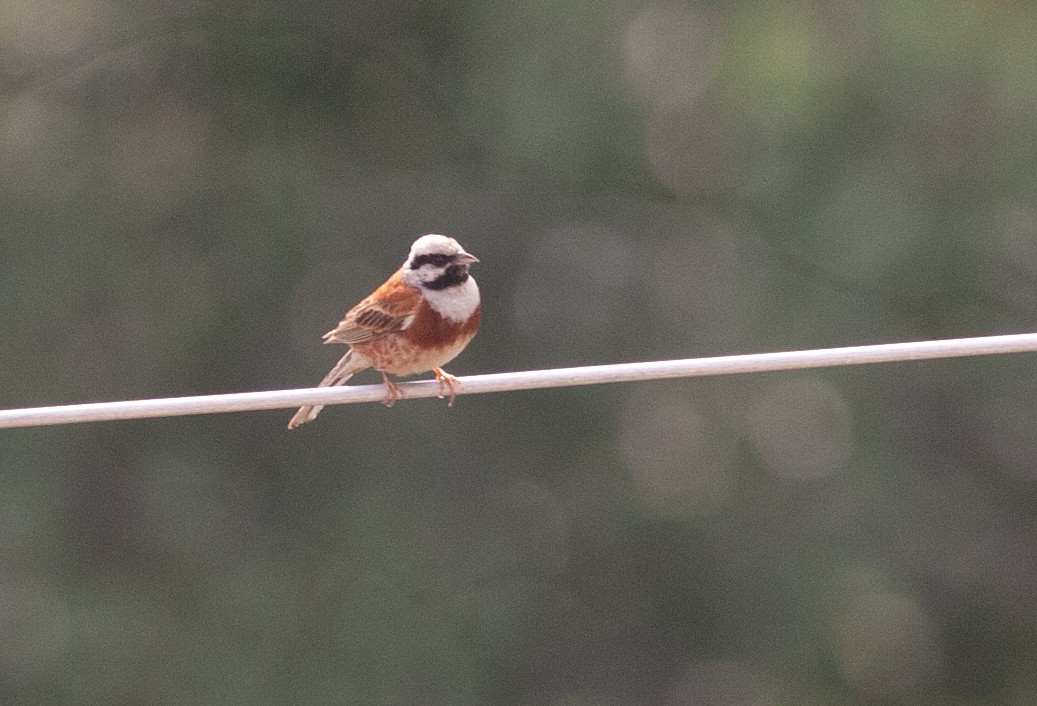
{"type": "Point", "coordinates": [455, 303]}
{"type": "Point", "coordinates": [425, 273]}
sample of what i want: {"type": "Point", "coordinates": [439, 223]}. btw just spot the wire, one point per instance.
{"type": "Point", "coordinates": [526, 380]}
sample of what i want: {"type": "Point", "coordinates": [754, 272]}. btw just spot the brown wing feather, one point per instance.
{"type": "Point", "coordinates": [385, 311]}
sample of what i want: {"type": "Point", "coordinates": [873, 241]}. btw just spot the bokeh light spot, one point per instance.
{"type": "Point", "coordinates": [801, 429]}
{"type": "Point", "coordinates": [698, 277]}
{"type": "Point", "coordinates": [39, 28]}
{"type": "Point", "coordinates": [671, 53]}
{"type": "Point", "coordinates": [689, 150]}
{"type": "Point", "coordinates": [539, 522]}
{"type": "Point", "coordinates": [719, 683]}
{"type": "Point", "coordinates": [160, 157]}
{"type": "Point", "coordinates": [669, 450]}
{"type": "Point", "coordinates": [575, 284]}
{"type": "Point", "coordinates": [887, 645]}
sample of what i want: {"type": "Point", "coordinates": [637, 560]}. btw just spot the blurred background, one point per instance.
{"type": "Point", "coordinates": [191, 193]}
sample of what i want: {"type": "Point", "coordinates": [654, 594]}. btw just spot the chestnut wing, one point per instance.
{"type": "Point", "coordinates": [389, 309]}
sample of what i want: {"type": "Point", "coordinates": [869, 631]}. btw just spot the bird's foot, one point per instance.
{"type": "Point", "coordinates": [446, 385]}
{"type": "Point", "coordinates": [392, 392]}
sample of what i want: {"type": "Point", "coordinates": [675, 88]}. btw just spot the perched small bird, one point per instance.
{"type": "Point", "coordinates": [418, 320]}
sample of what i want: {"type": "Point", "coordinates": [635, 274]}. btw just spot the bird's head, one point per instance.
{"type": "Point", "coordinates": [437, 262]}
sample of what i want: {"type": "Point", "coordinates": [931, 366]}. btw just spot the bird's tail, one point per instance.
{"type": "Point", "coordinates": [346, 368]}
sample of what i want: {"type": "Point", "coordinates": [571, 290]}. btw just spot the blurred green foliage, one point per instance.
{"type": "Point", "coordinates": [191, 193]}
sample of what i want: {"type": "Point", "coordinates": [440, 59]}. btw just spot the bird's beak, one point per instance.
{"type": "Point", "coordinates": [465, 259]}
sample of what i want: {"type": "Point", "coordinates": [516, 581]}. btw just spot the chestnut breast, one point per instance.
{"type": "Point", "coordinates": [429, 342]}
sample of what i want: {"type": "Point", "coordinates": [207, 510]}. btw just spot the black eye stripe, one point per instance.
{"type": "Point", "coordinates": [435, 259]}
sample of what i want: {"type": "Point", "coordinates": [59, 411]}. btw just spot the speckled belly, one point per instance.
{"type": "Point", "coordinates": [398, 356]}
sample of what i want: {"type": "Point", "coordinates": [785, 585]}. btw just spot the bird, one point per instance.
{"type": "Point", "coordinates": [418, 320]}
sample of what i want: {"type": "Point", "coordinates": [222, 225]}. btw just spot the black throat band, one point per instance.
{"type": "Point", "coordinates": [455, 275]}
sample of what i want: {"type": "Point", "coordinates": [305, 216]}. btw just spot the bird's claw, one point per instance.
{"type": "Point", "coordinates": [446, 385]}
{"type": "Point", "coordinates": [392, 392]}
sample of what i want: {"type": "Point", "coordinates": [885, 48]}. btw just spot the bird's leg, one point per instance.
{"type": "Point", "coordinates": [392, 392]}
{"type": "Point", "coordinates": [446, 385]}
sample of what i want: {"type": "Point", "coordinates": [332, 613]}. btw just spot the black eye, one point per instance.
{"type": "Point", "coordinates": [435, 259]}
